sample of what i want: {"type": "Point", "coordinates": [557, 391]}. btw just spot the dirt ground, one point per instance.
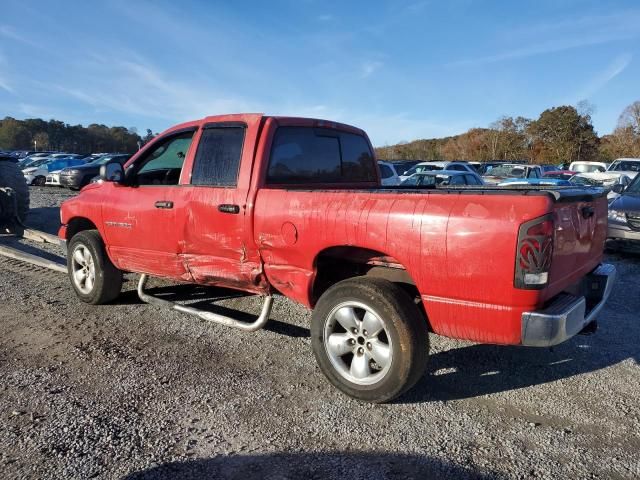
{"type": "Point", "coordinates": [129, 391]}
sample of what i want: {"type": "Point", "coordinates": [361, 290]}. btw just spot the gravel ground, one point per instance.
{"type": "Point", "coordinates": [130, 391]}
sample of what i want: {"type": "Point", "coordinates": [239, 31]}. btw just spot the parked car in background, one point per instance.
{"type": "Point", "coordinates": [588, 167]}
{"type": "Point", "coordinates": [431, 166]}
{"type": "Point", "coordinates": [485, 167]}
{"type": "Point", "coordinates": [628, 166]}
{"type": "Point", "coordinates": [442, 178]}
{"type": "Point", "coordinates": [606, 180]}
{"type": "Point", "coordinates": [37, 173]}
{"type": "Point", "coordinates": [624, 213]}
{"type": "Point", "coordinates": [501, 173]}
{"type": "Point", "coordinates": [77, 177]}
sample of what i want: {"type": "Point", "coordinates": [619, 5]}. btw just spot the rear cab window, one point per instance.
{"type": "Point", "coordinates": [315, 155]}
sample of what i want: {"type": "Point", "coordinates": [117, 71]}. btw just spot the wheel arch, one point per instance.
{"type": "Point", "coordinates": [77, 225]}
{"type": "Point", "coordinates": [341, 262]}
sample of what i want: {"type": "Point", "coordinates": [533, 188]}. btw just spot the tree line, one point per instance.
{"type": "Point", "coordinates": [54, 135]}
{"type": "Point", "coordinates": [560, 135]}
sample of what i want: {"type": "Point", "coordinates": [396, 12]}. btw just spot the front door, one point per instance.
{"type": "Point", "coordinates": [145, 219]}
{"type": "Point", "coordinates": [219, 248]}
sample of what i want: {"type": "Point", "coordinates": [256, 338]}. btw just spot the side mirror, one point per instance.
{"type": "Point", "coordinates": [618, 188]}
{"type": "Point", "coordinates": [112, 172]}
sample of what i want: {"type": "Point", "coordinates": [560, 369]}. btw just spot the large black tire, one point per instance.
{"type": "Point", "coordinates": [86, 250]}
{"type": "Point", "coordinates": [11, 176]}
{"type": "Point", "coordinates": [404, 331]}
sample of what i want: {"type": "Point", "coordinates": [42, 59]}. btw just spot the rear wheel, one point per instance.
{"type": "Point", "coordinates": [93, 277]}
{"type": "Point", "coordinates": [369, 339]}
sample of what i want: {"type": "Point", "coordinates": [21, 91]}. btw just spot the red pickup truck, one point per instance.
{"type": "Point", "coordinates": [294, 206]}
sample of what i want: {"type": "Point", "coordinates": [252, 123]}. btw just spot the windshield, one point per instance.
{"type": "Point", "coordinates": [626, 166]}
{"type": "Point", "coordinates": [37, 163]}
{"type": "Point", "coordinates": [508, 171]}
{"type": "Point", "coordinates": [586, 168]}
{"type": "Point", "coordinates": [634, 187]}
{"type": "Point", "coordinates": [427, 180]}
{"type": "Point", "coordinates": [423, 168]}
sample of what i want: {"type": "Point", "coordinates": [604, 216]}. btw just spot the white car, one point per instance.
{"type": "Point", "coordinates": [431, 166]}
{"type": "Point", "coordinates": [628, 166]}
{"type": "Point", "coordinates": [588, 167]}
{"type": "Point", "coordinates": [53, 179]}
{"type": "Point", "coordinates": [37, 173]}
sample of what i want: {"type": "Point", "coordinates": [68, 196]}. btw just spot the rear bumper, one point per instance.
{"type": "Point", "coordinates": [569, 313]}
{"type": "Point", "coordinates": [72, 181]}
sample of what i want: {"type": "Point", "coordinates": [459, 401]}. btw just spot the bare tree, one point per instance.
{"type": "Point", "coordinates": [630, 118]}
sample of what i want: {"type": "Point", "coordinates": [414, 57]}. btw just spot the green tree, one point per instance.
{"type": "Point", "coordinates": [561, 134]}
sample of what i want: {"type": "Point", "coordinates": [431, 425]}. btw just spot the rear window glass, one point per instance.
{"type": "Point", "coordinates": [218, 156]}
{"type": "Point", "coordinates": [304, 155]}
{"type": "Point", "coordinates": [385, 172]}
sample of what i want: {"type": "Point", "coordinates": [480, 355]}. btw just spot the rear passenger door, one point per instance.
{"type": "Point", "coordinates": [218, 247]}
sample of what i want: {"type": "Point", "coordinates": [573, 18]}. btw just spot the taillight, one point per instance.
{"type": "Point", "coordinates": [535, 250]}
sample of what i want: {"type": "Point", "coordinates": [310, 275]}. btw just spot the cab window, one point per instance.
{"type": "Point", "coordinates": [306, 155]}
{"type": "Point", "coordinates": [162, 165]}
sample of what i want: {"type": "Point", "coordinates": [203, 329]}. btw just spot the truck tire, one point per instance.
{"type": "Point", "coordinates": [11, 176]}
{"type": "Point", "coordinates": [369, 339]}
{"type": "Point", "coordinates": [93, 277]}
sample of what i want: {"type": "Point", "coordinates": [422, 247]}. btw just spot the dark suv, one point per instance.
{"type": "Point", "coordinates": [77, 177]}
{"type": "Point", "coordinates": [624, 213]}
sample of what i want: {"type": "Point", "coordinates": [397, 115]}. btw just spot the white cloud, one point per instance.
{"type": "Point", "coordinates": [611, 71]}
{"type": "Point", "coordinates": [324, 18]}
{"type": "Point", "coordinates": [565, 34]}
{"type": "Point", "coordinates": [9, 32]}
{"type": "Point", "coordinates": [370, 67]}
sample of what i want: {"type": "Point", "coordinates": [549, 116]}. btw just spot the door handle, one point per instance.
{"type": "Point", "coordinates": [164, 204]}
{"type": "Point", "coordinates": [229, 208]}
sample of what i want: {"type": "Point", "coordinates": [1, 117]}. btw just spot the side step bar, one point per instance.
{"type": "Point", "coordinates": [208, 316]}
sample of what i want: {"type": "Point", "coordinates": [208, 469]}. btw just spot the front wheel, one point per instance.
{"type": "Point", "coordinates": [93, 277]}
{"type": "Point", "coordinates": [369, 339]}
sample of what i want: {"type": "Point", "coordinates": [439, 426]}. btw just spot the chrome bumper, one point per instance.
{"type": "Point", "coordinates": [569, 313]}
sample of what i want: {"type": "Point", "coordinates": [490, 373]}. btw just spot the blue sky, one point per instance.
{"type": "Point", "coordinates": [400, 70]}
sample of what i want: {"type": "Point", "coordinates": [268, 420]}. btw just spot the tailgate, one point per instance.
{"type": "Point", "coordinates": [580, 233]}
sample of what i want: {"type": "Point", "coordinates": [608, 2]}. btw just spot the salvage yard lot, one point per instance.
{"type": "Point", "coordinates": [129, 391]}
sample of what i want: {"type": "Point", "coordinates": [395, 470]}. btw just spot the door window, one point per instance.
{"type": "Point", "coordinates": [163, 164]}
{"type": "Point", "coordinates": [218, 156]}
{"type": "Point", "coordinates": [471, 180]}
